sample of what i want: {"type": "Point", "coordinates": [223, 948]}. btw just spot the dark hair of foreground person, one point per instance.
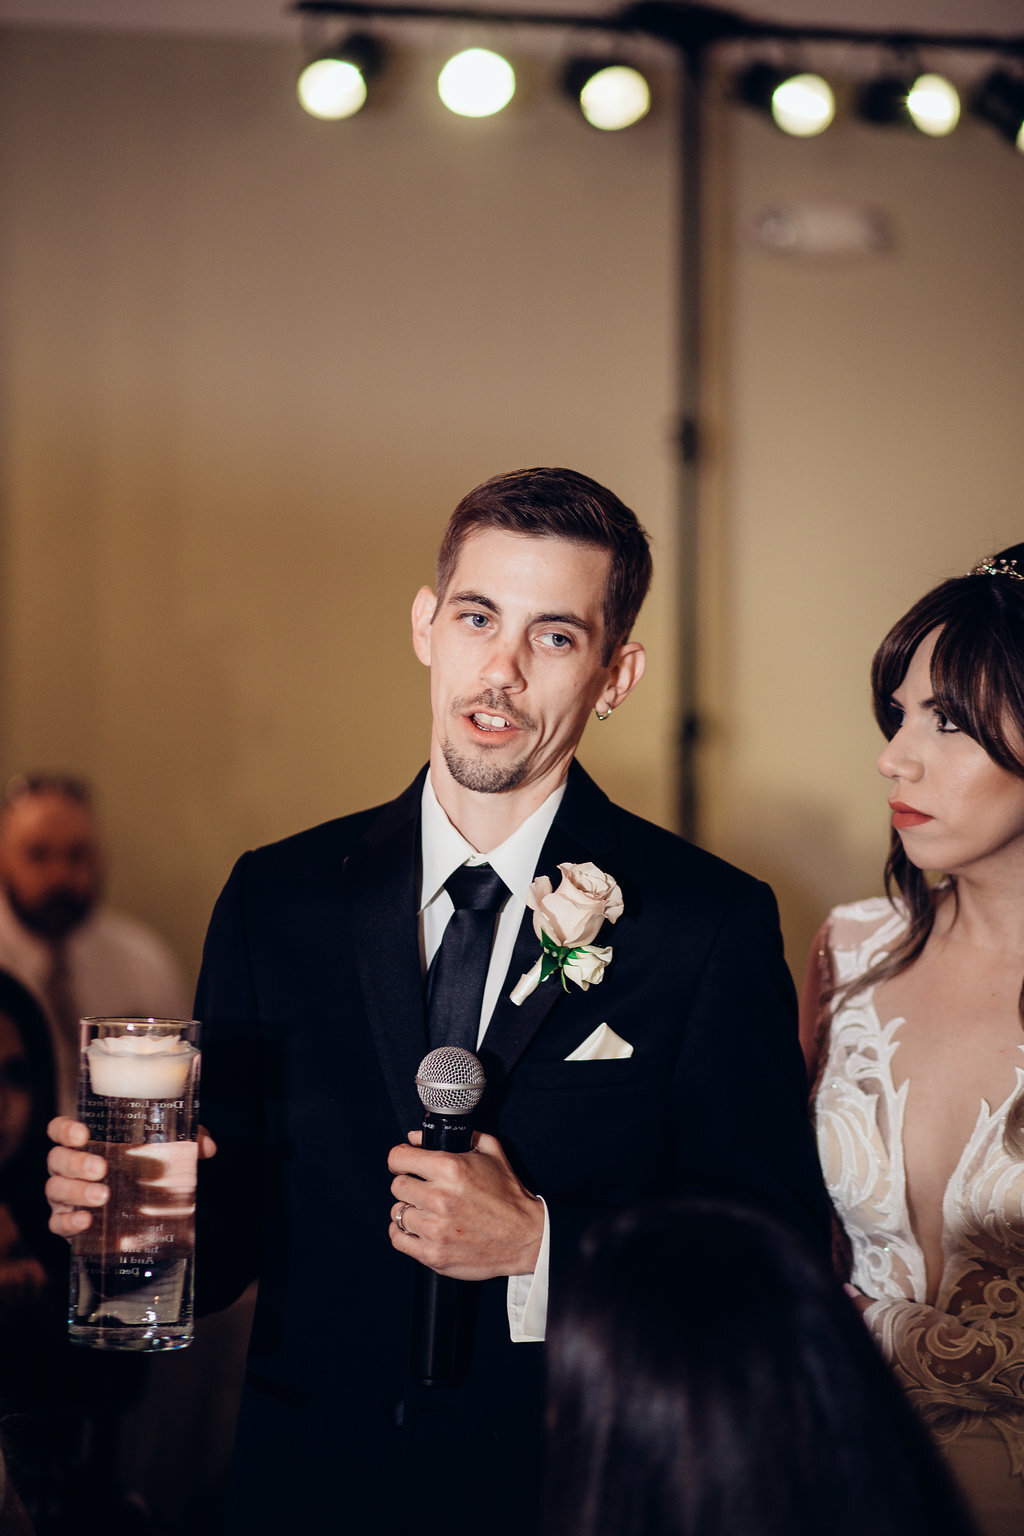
{"type": "Point", "coordinates": [708, 1377]}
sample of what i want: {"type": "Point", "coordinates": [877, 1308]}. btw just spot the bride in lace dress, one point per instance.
{"type": "Point", "coordinates": [911, 1020]}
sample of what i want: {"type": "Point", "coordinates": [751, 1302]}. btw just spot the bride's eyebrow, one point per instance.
{"type": "Point", "coordinates": [930, 703]}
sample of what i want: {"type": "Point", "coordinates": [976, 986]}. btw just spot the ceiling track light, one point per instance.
{"type": "Point", "coordinates": [999, 101]}
{"type": "Point", "coordinates": [335, 82]}
{"type": "Point", "coordinates": [802, 105]}
{"type": "Point", "coordinates": [911, 99]}
{"type": "Point", "coordinates": [934, 105]}
{"type": "Point", "coordinates": [610, 93]}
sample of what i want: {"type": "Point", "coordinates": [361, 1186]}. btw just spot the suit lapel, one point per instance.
{"type": "Point", "coordinates": [380, 884]}
{"type": "Point", "coordinates": [381, 895]}
{"type": "Point", "coordinates": [582, 832]}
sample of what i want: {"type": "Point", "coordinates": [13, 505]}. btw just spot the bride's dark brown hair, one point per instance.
{"type": "Point", "coordinates": [977, 676]}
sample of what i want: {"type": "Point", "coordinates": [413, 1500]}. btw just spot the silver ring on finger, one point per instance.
{"type": "Point", "coordinates": [406, 1205]}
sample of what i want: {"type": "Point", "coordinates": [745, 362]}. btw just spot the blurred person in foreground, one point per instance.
{"type": "Point", "coordinates": [62, 1410]}
{"type": "Point", "coordinates": [79, 957]}
{"type": "Point", "coordinates": [38, 1429]}
{"type": "Point", "coordinates": [77, 954]}
{"type": "Point", "coordinates": [708, 1377]}
{"type": "Point", "coordinates": [913, 1029]}
{"type": "Point", "coordinates": [14, 1520]}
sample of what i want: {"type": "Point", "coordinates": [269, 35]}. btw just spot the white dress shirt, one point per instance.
{"type": "Point", "coordinates": [444, 849]}
{"type": "Point", "coordinates": [116, 965]}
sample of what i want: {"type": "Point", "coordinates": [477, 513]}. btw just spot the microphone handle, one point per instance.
{"type": "Point", "coordinates": [447, 1133]}
{"type": "Point", "coordinates": [440, 1326]}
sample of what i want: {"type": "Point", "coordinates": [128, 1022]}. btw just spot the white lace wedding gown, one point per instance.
{"type": "Point", "coordinates": [961, 1361]}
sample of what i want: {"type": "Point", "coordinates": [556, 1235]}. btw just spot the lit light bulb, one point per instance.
{"type": "Point", "coordinates": [803, 105]}
{"type": "Point", "coordinates": [331, 89]}
{"type": "Point", "coordinates": [476, 83]}
{"type": "Point", "coordinates": [934, 105]}
{"type": "Point", "coordinates": [615, 97]}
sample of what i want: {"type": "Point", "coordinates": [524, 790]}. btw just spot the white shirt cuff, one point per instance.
{"type": "Point", "coordinates": [528, 1295]}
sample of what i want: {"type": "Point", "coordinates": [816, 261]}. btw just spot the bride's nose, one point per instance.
{"type": "Point", "coordinates": [897, 759]}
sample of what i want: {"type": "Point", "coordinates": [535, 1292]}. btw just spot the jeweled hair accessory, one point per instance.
{"type": "Point", "coordinates": [996, 565]}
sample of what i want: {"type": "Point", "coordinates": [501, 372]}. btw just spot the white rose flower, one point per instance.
{"type": "Point", "coordinates": [586, 967]}
{"type": "Point", "coordinates": [565, 921]}
{"type": "Point", "coordinates": [585, 899]}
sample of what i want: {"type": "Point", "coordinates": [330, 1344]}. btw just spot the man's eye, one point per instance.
{"type": "Point", "coordinates": [475, 620]}
{"type": "Point", "coordinates": [556, 641]}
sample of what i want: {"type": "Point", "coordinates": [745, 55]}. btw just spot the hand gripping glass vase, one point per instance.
{"type": "Point", "coordinates": [132, 1270]}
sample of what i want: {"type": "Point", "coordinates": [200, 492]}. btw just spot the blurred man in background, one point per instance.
{"type": "Point", "coordinates": [78, 955]}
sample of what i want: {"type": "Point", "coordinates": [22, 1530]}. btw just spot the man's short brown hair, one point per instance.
{"type": "Point", "coordinates": [559, 504]}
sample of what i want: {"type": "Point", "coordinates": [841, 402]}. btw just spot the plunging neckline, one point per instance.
{"type": "Point", "coordinates": [961, 1357]}
{"type": "Point", "coordinates": [896, 1101]}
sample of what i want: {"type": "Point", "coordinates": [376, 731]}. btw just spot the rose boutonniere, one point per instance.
{"type": "Point", "coordinates": [565, 921]}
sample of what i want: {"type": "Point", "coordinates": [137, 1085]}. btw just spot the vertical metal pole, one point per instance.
{"type": "Point", "coordinates": [689, 441]}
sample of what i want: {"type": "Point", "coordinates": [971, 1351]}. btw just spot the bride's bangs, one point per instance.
{"type": "Point", "coordinates": [978, 680]}
{"type": "Point", "coordinates": [977, 666]}
{"type": "Point", "coordinates": [894, 655]}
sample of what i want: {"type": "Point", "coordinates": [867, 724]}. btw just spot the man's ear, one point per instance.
{"type": "Point", "coordinates": [624, 672]}
{"type": "Point", "coordinates": [423, 606]}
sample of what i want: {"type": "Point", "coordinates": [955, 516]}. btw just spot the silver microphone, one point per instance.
{"type": "Point", "coordinates": [450, 1082]}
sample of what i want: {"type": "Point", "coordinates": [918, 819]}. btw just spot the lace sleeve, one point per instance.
{"type": "Point", "coordinates": [933, 1352]}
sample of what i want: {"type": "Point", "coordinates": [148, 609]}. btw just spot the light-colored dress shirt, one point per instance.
{"type": "Point", "coordinates": [115, 965]}
{"type": "Point", "coordinates": [444, 849]}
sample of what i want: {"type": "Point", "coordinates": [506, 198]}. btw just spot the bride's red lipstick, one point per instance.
{"type": "Point", "coordinates": [906, 816]}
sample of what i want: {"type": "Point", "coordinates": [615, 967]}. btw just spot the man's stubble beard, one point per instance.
{"type": "Point", "coordinates": [484, 774]}
{"type": "Point", "coordinates": [481, 774]}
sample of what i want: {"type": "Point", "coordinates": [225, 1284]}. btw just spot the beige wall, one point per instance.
{"type": "Point", "coordinates": [867, 444]}
{"type": "Point", "coordinates": [250, 362]}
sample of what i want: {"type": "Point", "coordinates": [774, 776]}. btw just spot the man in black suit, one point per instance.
{"type": "Point", "coordinates": [680, 1070]}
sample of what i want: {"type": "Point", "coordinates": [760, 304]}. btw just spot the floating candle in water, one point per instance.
{"type": "Point", "coordinates": [140, 1066]}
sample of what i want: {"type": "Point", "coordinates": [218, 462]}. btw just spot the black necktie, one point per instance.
{"type": "Point", "coordinates": [455, 980]}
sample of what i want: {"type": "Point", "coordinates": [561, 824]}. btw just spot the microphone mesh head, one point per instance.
{"type": "Point", "coordinates": [450, 1080]}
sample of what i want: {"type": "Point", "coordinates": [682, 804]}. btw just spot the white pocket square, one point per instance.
{"type": "Point", "coordinates": [603, 1045]}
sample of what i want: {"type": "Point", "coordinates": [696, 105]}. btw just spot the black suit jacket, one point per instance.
{"type": "Point", "coordinates": [312, 1001]}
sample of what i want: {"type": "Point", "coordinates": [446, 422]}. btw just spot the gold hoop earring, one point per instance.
{"type": "Point", "coordinates": [605, 716]}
